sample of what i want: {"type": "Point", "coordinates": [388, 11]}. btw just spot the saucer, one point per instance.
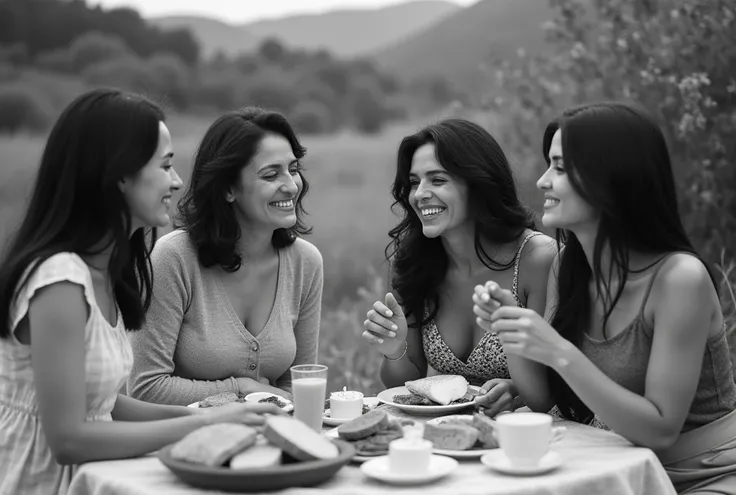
{"type": "Point", "coordinates": [498, 461]}
{"type": "Point", "coordinates": [378, 468]}
{"type": "Point", "coordinates": [327, 419]}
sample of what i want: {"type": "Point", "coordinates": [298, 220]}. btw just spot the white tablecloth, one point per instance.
{"type": "Point", "coordinates": [595, 462]}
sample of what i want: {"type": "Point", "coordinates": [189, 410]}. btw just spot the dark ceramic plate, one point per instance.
{"type": "Point", "coordinates": [287, 475]}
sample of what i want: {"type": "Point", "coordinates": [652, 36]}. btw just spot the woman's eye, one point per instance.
{"type": "Point", "coordinates": [438, 182]}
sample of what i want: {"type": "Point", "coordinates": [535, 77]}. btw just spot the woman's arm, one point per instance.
{"type": "Point", "coordinates": [411, 366]}
{"type": "Point", "coordinates": [152, 378]}
{"type": "Point", "coordinates": [306, 330]}
{"type": "Point", "coordinates": [57, 317]}
{"type": "Point", "coordinates": [129, 409]}
{"type": "Point", "coordinates": [685, 309]}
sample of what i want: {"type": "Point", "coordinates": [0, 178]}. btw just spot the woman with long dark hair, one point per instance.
{"type": "Point", "coordinates": [75, 277]}
{"type": "Point", "coordinates": [462, 221]}
{"type": "Point", "coordinates": [237, 290]}
{"type": "Point", "coordinates": [634, 338]}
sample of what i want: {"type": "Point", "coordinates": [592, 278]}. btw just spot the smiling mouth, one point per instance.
{"type": "Point", "coordinates": [283, 205]}
{"type": "Point", "coordinates": [167, 201]}
{"type": "Point", "coordinates": [431, 212]}
{"type": "Point", "coordinates": [550, 202]}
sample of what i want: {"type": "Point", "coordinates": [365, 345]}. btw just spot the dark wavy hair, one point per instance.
{"type": "Point", "coordinates": [226, 148]}
{"type": "Point", "coordinates": [468, 152]}
{"type": "Point", "coordinates": [102, 137]}
{"type": "Point", "coordinates": [616, 159]}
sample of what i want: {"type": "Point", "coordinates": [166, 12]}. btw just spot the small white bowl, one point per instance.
{"type": "Point", "coordinates": [256, 397]}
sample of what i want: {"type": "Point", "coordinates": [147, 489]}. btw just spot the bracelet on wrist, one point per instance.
{"type": "Point", "coordinates": [406, 346]}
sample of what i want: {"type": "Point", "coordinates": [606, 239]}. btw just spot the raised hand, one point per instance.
{"type": "Point", "coordinates": [386, 327]}
{"type": "Point", "coordinates": [487, 299]}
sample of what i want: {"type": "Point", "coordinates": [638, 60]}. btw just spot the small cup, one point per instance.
{"type": "Point", "coordinates": [409, 456]}
{"type": "Point", "coordinates": [346, 404]}
{"type": "Point", "coordinates": [524, 437]}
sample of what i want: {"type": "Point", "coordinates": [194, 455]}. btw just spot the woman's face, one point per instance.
{"type": "Point", "coordinates": [564, 208]}
{"type": "Point", "coordinates": [266, 193]}
{"type": "Point", "coordinates": [148, 192]}
{"type": "Point", "coordinates": [439, 199]}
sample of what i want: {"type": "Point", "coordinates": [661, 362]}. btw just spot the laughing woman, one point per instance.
{"type": "Point", "coordinates": [237, 292]}
{"type": "Point", "coordinates": [463, 223]}
{"type": "Point", "coordinates": [634, 338]}
{"type": "Point", "coordinates": [74, 279]}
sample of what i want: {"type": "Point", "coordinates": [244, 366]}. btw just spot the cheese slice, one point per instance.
{"type": "Point", "coordinates": [441, 389]}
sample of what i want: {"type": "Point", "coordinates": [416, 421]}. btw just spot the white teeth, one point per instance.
{"type": "Point", "coordinates": [548, 202]}
{"type": "Point", "coordinates": [167, 201]}
{"type": "Point", "coordinates": [428, 212]}
{"type": "Point", "coordinates": [283, 204]}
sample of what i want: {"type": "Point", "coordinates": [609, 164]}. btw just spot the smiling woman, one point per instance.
{"type": "Point", "coordinates": [463, 223]}
{"type": "Point", "coordinates": [237, 291]}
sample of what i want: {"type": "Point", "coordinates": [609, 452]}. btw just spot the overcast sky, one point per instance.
{"type": "Point", "coordinates": [238, 11]}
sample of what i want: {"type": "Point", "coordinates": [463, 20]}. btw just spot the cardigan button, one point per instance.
{"type": "Point", "coordinates": [255, 347]}
{"type": "Point", "coordinates": [253, 366]}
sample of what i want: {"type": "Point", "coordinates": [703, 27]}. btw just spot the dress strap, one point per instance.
{"type": "Point", "coordinates": [658, 266]}
{"type": "Point", "coordinates": [517, 262]}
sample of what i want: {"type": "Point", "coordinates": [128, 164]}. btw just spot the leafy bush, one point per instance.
{"type": "Point", "coordinates": [22, 109]}
{"type": "Point", "coordinates": [94, 47]}
{"type": "Point", "coordinates": [675, 57]}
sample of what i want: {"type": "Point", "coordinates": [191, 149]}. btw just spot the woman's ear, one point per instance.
{"type": "Point", "coordinates": [122, 185]}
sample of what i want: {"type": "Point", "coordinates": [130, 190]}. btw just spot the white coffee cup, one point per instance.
{"type": "Point", "coordinates": [524, 437]}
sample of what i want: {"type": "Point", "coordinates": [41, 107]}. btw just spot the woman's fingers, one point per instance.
{"type": "Point", "coordinates": [379, 329]}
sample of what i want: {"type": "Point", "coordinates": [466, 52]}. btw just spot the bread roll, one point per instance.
{"type": "Point", "coordinates": [451, 436]}
{"type": "Point", "coordinates": [441, 389]}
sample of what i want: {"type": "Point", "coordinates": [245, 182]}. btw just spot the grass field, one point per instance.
{"type": "Point", "coordinates": [349, 208]}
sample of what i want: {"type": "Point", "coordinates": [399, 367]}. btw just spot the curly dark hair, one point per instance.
{"type": "Point", "coordinates": [226, 148]}
{"type": "Point", "coordinates": [466, 151]}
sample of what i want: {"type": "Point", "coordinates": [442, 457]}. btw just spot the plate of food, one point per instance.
{"type": "Point", "coordinates": [228, 397]}
{"type": "Point", "coordinates": [369, 403]}
{"type": "Point", "coordinates": [370, 433]}
{"type": "Point", "coordinates": [434, 395]}
{"type": "Point", "coordinates": [462, 436]}
{"type": "Point", "coordinates": [236, 458]}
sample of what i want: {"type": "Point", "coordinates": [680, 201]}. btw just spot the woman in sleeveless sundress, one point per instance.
{"type": "Point", "coordinates": [74, 278]}
{"type": "Point", "coordinates": [463, 223]}
{"type": "Point", "coordinates": [636, 337]}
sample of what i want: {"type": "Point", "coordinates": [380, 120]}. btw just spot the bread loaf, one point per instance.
{"type": "Point", "coordinates": [214, 445]}
{"type": "Point", "coordinates": [298, 440]}
{"type": "Point", "coordinates": [363, 426]}
{"type": "Point", "coordinates": [451, 436]}
{"type": "Point", "coordinates": [441, 389]}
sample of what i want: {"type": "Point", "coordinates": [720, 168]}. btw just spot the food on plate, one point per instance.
{"type": "Point", "coordinates": [442, 389]}
{"type": "Point", "coordinates": [220, 399]}
{"type": "Point", "coordinates": [418, 400]}
{"type": "Point", "coordinates": [371, 433]}
{"type": "Point", "coordinates": [484, 424]}
{"type": "Point", "coordinates": [298, 440]}
{"type": "Point", "coordinates": [262, 454]}
{"type": "Point", "coordinates": [366, 407]}
{"type": "Point", "coordinates": [213, 445]}
{"type": "Point", "coordinates": [364, 425]}
{"type": "Point", "coordinates": [451, 436]}
{"type": "Point", "coordinates": [274, 400]}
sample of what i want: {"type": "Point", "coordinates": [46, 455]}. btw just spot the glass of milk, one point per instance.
{"type": "Point", "coordinates": [308, 388]}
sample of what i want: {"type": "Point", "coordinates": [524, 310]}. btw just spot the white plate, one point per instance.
{"type": "Point", "coordinates": [458, 454]}
{"type": "Point", "coordinates": [378, 468]}
{"type": "Point", "coordinates": [371, 402]}
{"type": "Point", "coordinates": [387, 397]}
{"type": "Point", "coordinates": [498, 461]}
{"type": "Point", "coordinates": [287, 408]}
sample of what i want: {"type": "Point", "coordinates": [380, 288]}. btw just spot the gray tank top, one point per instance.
{"type": "Point", "coordinates": [624, 358]}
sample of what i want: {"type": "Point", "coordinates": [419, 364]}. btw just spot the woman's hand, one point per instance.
{"type": "Point", "coordinates": [386, 327]}
{"type": "Point", "coordinates": [496, 396]}
{"type": "Point", "coordinates": [523, 332]}
{"type": "Point", "coordinates": [240, 412]}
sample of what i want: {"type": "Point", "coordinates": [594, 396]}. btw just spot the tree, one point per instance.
{"type": "Point", "coordinates": [675, 57]}
{"type": "Point", "coordinates": [95, 47]}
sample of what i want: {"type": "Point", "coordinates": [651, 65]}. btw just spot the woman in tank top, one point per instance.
{"type": "Point", "coordinates": [462, 224]}
{"type": "Point", "coordinates": [634, 337]}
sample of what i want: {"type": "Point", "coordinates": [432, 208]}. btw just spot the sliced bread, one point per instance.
{"type": "Point", "coordinates": [298, 440]}
{"type": "Point", "coordinates": [441, 389]}
{"type": "Point", "coordinates": [214, 445]}
{"type": "Point", "coordinates": [363, 426]}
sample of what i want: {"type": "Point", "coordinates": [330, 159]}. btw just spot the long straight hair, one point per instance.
{"type": "Point", "coordinates": [468, 152]}
{"type": "Point", "coordinates": [617, 160]}
{"type": "Point", "coordinates": [77, 206]}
